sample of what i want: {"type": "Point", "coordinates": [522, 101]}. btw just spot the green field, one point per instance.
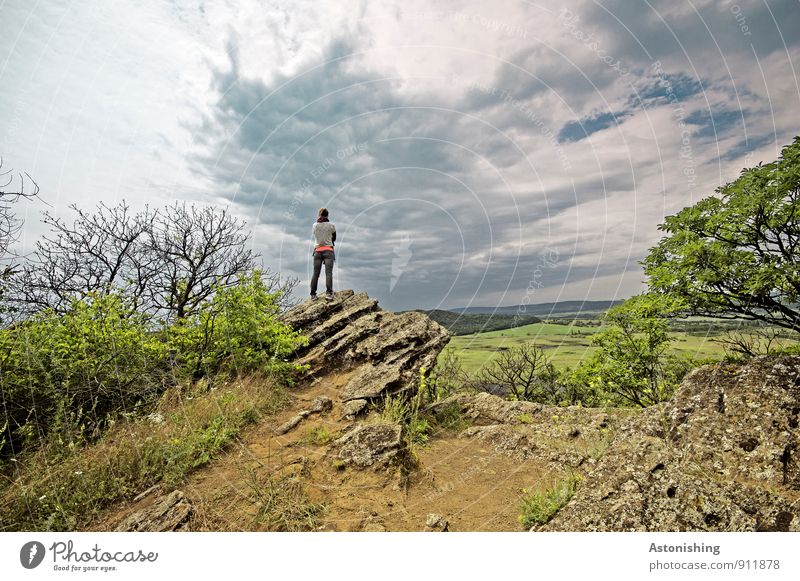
{"type": "Point", "coordinates": [566, 345]}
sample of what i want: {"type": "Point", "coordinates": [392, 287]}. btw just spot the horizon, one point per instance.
{"type": "Point", "coordinates": [470, 155]}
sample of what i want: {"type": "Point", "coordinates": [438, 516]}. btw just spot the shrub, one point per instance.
{"type": "Point", "coordinates": [523, 372]}
{"type": "Point", "coordinates": [236, 332]}
{"type": "Point", "coordinates": [632, 365]}
{"type": "Point", "coordinates": [67, 375]}
{"type": "Point", "coordinates": [445, 378]}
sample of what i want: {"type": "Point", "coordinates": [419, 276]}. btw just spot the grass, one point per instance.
{"type": "Point", "coordinates": [282, 504]}
{"type": "Point", "coordinates": [318, 436]}
{"type": "Point", "coordinates": [65, 490]}
{"type": "Point", "coordinates": [538, 508]}
{"type": "Point", "coordinates": [398, 409]}
{"type": "Point", "coordinates": [566, 345]}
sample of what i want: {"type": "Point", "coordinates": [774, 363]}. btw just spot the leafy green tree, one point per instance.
{"type": "Point", "coordinates": [632, 365]}
{"type": "Point", "coordinates": [738, 254]}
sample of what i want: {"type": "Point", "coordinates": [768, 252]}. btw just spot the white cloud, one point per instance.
{"type": "Point", "coordinates": [460, 109]}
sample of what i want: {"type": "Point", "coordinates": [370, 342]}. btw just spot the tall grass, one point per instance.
{"type": "Point", "coordinates": [66, 490]}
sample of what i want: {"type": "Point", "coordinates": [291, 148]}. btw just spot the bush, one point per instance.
{"type": "Point", "coordinates": [67, 375]}
{"type": "Point", "coordinates": [526, 373]}
{"type": "Point", "coordinates": [523, 372]}
{"type": "Point", "coordinates": [445, 378]}
{"type": "Point", "coordinates": [236, 332]}
{"type": "Point", "coordinates": [632, 365]}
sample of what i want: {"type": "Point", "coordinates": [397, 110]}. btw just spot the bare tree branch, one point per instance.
{"type": "Point", "coordinates": [196, 250]}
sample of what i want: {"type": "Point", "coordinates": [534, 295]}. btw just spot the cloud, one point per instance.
{"type": "Point", "coordinates": [470, 138]}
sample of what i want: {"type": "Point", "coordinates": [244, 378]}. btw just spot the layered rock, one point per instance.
{"type": "Point", "coordinates": [385, 351]}
{"type": "Point", "coordinates": [167, 513]}
{"type": "Point", "coordinates": [721, 455]}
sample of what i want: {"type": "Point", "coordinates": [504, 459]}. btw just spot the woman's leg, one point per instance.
{"type": "Point", "coordinates": [329, 271]}
{"type": "Point", "coordinates": [317, 269]}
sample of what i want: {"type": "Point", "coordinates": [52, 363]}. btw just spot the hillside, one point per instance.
{"type": "Point", "coordinates": [338, 452]}
{"type": "Point", "coordinates": [466, 324]}
{"type": "Point", "coordinates": [574, 309]}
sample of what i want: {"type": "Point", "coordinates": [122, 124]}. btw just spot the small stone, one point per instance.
{"type": "Point", "coordinates": [167, 513]}
{"type": "Point", "coordinates": [321, 404]}
{"type": "Point", "coordinates": [354, 407]}
{"type": "Point", "coordinates": [290, 425]}
{"type": "Point", "coordinates": [436, 522]}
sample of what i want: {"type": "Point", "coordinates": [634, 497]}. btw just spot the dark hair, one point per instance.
{"type": "Point", "coordinates": [323, 212]}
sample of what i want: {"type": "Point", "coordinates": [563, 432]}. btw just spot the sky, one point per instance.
{"type": "Point", "coordinates": [470, 153]}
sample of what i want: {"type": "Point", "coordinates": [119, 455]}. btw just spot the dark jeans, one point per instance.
{"type": "Point", "coordinates": [327, 257]}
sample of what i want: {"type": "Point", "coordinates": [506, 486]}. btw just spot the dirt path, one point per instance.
{"type": "Point", "coordinates": [475, 487]}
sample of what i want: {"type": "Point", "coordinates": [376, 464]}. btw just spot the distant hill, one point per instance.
{"type": "Point", "coordinates": [579, 309]}
{"type": "Point", "coordinates": [465, 324]}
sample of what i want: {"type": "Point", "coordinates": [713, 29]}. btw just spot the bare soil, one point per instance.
{"type": "Point", "coordinates": [472, 485]}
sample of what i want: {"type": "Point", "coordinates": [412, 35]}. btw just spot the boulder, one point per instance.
{"type": "Point", "coordinates": [721, 455]}
{"type": "Point", "coordinates": [370, 445]}
{"type": "Point", "coordinates": [385, 351]}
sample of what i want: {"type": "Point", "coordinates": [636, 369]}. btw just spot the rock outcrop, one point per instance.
{"type": "Point", "coordinates": [564, 437]}
{"type": "Point", "coordinates": [721, 455]}
{"type": "Point", "coordinates": [370, 445]}
{"type": "Point", "coordinates": [385, 351]}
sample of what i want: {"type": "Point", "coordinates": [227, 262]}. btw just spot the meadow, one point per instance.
{"type": "Point", "coordinates": [568, 344]}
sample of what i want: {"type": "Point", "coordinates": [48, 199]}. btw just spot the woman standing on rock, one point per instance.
{"type": "Point", "coordinates": [324, 237]}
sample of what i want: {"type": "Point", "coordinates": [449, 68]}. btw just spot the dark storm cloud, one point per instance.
{"type": "Point", "coordinates": [336, 136]}
{"type": "Point", "coordinates": [440, 197]}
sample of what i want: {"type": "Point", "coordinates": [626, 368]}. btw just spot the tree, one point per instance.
{"type": "Point", "coordinates": [197, 250]}
{"type": "Point", "coordinates": [632, 364]}
{"type": "Point", "coordinates": [165, 262]}
{"type": "Point", "coordinates": [9, 223]}
{"type": "Point", "coordinates": [737, 255]}
{"type": "Point", "coordinates": [97, 251]}
{"type": "Point", "coordinates": [10, 226]}
{"type": "Point", "coordinates": [523, 371]}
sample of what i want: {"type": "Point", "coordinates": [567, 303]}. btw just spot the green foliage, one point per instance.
{"type": "Point", "coordinates": [236, 332]}
{"type": "Point", "coordinates": [736, 255]}
{"type": "Point", "coordinates": [538, 508]}
{"type": "Point", "coordinates": [632, 365]}
{"type": "Point", "coordinates": [318, 436]}
{"type": "Point", "coordinates": [66, 375]}
{"type": "Point", "coordinates": [446, 378]}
